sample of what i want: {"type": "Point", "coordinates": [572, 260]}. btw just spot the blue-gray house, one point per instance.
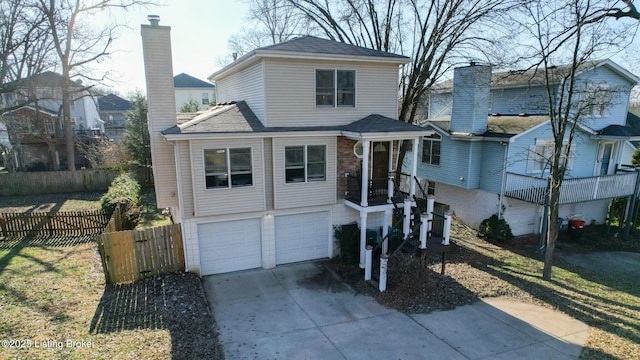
{"type": "Point", "coordinates": [492, 137]}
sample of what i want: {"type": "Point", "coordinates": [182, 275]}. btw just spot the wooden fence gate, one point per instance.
{"type": "Point", "coordinates": [132, 255]}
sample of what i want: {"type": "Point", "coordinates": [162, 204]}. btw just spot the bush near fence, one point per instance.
{"type": "Point", "coordinates": [49, 182]}
{"type": "Point", "coordinates": [135, 254]}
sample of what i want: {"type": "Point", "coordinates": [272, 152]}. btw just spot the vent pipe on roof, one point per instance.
{"type": "Point", "coordinates": [235, 56]}
{"type": "Point", "coordinates": [154, 20]}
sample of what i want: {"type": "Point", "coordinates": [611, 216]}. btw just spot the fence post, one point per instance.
{"type": "Point", "coordinates": [406, 224]}
{"type": "Point", "coordinates": [447, 227]}
{"type": "Point", "coordinates": [431, 200]}
{"type": "Point", "coordinates": [424, 225]}
{"type": "Point", "coordinates": [382, 285]}
{"type": "Point", "coordinates": [367, 263]}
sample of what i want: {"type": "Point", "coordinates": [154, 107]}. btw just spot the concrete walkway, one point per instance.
{"type": "Point", "coordinates": [620, 264]}
{"type": "Point", "coordinates": [304, 311]}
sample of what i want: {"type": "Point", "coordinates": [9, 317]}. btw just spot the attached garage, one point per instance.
{"type": "Point", "coordinates": [301, 237]}
{"type": "Point", "coordinates": [229, 246]}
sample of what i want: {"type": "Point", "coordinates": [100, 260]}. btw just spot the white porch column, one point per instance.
{"type": "Point", "coordinates": [382, 284]}
{"type": "Point", "coordinates": [414, 168]}
{"type": "Point", "coordinates": [363, 238]}
{"type": "Point", "coordinates": [366, 145]}
{"type": "Point", "coordinates": [368, 262]}
{"type": "Point", "coordinates": [386, 222]}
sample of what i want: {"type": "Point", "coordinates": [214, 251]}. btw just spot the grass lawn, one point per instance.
{"type": "Point", "coordinates": [611, 306]}
{"type": "Point", "coordinates": [55, 303]}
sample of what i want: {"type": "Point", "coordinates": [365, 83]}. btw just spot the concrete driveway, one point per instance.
{"type": "Point", "coordinates": [304, 311]}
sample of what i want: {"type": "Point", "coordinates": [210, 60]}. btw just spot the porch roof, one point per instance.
{"type": "Point", "coordinates": [619, 132]}
{"type": "Point", "coordinates": [238, 118]}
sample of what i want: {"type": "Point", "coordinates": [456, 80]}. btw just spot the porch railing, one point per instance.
{"type": "Point", "coordinates": [533, 189]}
{"type": "Point", "coordinates": [377, 190]}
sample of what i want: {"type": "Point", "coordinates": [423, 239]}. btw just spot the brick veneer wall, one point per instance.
{"type": "Point", "coordinates": [348, 162]}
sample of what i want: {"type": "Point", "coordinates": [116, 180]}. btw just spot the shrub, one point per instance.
{"type": "Point", "coordinates": [495, 229]}
{"type": "Point", "coordinates": [125, 192]}
{"type": "Point", "coordinates": [348, 241]}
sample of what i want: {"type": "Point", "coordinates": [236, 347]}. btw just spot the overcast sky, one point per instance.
{"type": "Point", "coordinates": [199, 33]}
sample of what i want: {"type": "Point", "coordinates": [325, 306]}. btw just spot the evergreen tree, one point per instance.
{"type": "Point", "coordinates": [136, 140]}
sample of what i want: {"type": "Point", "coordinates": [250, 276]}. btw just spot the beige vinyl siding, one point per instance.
{"type": "Point", "coordinates": [290, 92]}
{"type": "Point", "coordinates": [227, 200]}
{"type": "Point", "coordinates": [247, 85]}
{"type": "Point", "coordinates": [185, 178]}
{"type": "Point", "coordinates": [162, 115]}
{"type": "Point", "coordinates": [268, 172]}
{"type": "Point", "coordinates": [313, 193]}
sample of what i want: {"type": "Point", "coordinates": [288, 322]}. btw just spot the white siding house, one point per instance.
{"type": "Point", "coordinates": [189, 89]}
{"type": "Point", "coordinates": [260, 179]}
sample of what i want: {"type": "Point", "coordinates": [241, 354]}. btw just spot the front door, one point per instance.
{"type": "Point", "coordinates": [380, 163]}
{"type": "Point", "coordinates": [605, 162]}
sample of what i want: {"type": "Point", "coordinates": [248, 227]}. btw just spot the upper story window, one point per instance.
{"type": "Point", "coordinates": [225, 168]}
{"type": "Point", "coordinates": [305, 163]}
{"type": "Point", "coordinates": [431, 149]}
{"type": "Point", "coordinates": [541, 154]}
{"type": "Point", "coordinates": [205, 98]}
{"type": "Point", "coordinates": [335, 88]}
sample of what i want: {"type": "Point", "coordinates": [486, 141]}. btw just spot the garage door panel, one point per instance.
{"type": "Point", "coordinates": [301, 237]}
{"type": "Point", "coordinates": [229, 246]}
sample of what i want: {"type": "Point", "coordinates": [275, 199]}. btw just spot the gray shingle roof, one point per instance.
{"type": "Point", "coordinates": [113, 102]}
{"type": "Point", "coordinates": [315, 45]}
{"type": "Point", "coordinates": [237, 117]}
{"type": "Point", "coordinates": [526, 77]}
{"type": "Point", "coordinates": [500, 126]}
{"type": "Point", "coordinates": [380, 124]}
{"type": "Point", "coordinates": [619, 131]}
{"type": "Point", "coordinates": [187, 81]}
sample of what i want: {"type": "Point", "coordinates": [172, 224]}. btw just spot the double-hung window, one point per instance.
{"type": "Point", "coordinates": [431, 149]}
{"type": "Point", "coordinates": [541, 154]}
{"type": "Point", "coordinates": [335, 88]}
{"type": "Point", "coordinates": [225, 168]}
{"type": "Point", "coordinates": [305, 163]}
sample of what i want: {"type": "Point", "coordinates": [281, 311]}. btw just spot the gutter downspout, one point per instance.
{"type": "Point", "coordinates": [504, 177]}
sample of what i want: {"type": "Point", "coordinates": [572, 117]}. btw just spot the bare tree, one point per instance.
{"type": "Point", "coordinates": [574, 33]}
{"type": "Point", "coordinates": [78, 44]}
{"type": "Point", "coordinates": [268, 22]}
{"type": "Point", "coordinates": [25, 49]}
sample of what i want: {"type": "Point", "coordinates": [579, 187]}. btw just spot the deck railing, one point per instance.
{"type": "Point", "coordinates": [534, 189]}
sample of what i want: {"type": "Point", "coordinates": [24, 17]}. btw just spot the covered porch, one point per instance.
{"type": "Point", "coordinates": [371, 188]}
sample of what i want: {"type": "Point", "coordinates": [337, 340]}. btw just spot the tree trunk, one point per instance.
{"type": "Point", "coordinates": [66, 115]}
{"type": "Point", "coordinates": [552, 228]}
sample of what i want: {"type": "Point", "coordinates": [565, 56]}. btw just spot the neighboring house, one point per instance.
{"type": "Point", "coordinates": [262, 178]}
{"type": "Point", "coordinates": [32, 118]}
{"type": "Point", "coordinates": [112, 109]}
{"type": "Point", "coordinates": [187, 88]}
{"type": "Point", "coordinates": [492, 138]}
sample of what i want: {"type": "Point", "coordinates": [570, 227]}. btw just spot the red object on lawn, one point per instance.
{"type": "Point", "coordinates": [577, 224]}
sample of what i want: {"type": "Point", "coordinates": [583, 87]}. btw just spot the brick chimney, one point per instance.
{"type": "Point", "coordinates": [158, 68]}
{"type": "Point", "coordinates": [470, 105]}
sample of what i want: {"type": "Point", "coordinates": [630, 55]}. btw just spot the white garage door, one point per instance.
{"type": "Point", "coordinates": [229, 246]}
{"type": "Point", "coordinates": [302, 237]}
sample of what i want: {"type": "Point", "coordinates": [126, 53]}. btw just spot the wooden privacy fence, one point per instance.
{"type": "Point", "coordinates": [136, 254]}
{"type": "Point", "coordinates": [52, 224]}
{"type": "Point", "coordinates": [51, 182]}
